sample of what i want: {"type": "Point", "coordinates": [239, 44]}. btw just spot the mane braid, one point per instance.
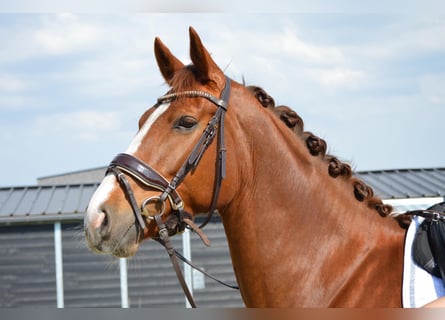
{"type": "Point", "coordinates": [317, 147]}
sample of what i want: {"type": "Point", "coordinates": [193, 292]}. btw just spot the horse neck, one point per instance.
{"type": "Point", "coordinates": [289, 219]}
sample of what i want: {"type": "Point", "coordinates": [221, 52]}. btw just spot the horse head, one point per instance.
{"type": "Point", "coordinates": [158, 175]}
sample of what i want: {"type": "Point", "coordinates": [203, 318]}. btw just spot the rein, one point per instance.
{"type": "Point", "coordinates": [125, 164]}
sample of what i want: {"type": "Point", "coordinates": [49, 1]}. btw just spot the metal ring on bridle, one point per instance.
{"type": "Point", "coordinates": [154, 199]}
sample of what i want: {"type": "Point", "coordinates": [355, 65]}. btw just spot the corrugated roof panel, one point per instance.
{"type": "Point", "coordinates": [57, 200]}
{"type": "Point", "coordinates": [406, 183]}
{"type": "Point", "coordinates": [391, 188]}
{"type": "Point", "coordinates": [4, 195]}
{"type": "Point", "coordinates": [406, 189]}
{"type": "Point", "coordinates": [26, 203]}
{"type": "Point", "coordinates": [421, 183]}
{"type": "Point", "coordinates": [437, 177]}
{"type": "Point", "coordinates": [72, 199]}
{"type": "Point", "coordinates": [427, 182]}
{"type": "Point", "coordinates": [370, 180]}
{"type": "Point", "coordinates": [382, 187]}
{"type": "Point", "coordinates": [400, 180]}
{"type": "Point", "coordinates": [41, 203]}
{"type": "Point", "coordinates": [10, 205]}
{"type": "Point", "coordinates": [87, 193]}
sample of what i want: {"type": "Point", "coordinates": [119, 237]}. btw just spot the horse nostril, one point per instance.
{"type": "Point", "coordinates": [105, 220]}
{"type": "Point", "coordinates": [104, 224]}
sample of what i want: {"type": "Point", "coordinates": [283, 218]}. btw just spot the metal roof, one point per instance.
{"type": "Point", "coordinates": [68, 202]}
{"type": "Point", "coordinates": [82, 176]}
{"type": "Point", "coordinates": [44, 203]}
{"type": "Point", "coordinates": [406, 183]}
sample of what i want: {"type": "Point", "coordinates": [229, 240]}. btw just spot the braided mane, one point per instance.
{"type": "Point", "coordinates": [317, 147]}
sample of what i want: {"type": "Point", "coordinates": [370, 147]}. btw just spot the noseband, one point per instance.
{"type": "Point", "coordinates": [125, 164]}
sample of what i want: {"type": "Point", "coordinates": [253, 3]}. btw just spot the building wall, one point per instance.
{"type": "Point", "coordinates": [89, 280]}
{"type": "Point", "coordinates": [28, 272]}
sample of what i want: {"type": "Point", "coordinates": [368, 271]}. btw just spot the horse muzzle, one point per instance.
{"type": "Point", "coordinates": [106, 236]}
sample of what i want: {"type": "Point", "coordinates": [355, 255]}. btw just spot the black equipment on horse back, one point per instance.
{"type": "Point", "coordinates": [428, 248]}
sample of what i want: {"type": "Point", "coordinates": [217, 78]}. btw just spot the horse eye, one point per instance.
{"type": "Point", "coordinates": [186, 122]}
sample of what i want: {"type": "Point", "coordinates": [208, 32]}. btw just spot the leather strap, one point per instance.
{"type": "Point", "coordinates": [185, 260]}
{"type": "Point", "coordinates": [145, 174]}
{"type": "Point", "coordinates": [430, 214]}
{"type": "Point", "coordinates": [220, 171]}
{"type": "Point", "coordinates": [163, 235]}
{"type": "Point", "coordinates": [129, 194]}
{"type": "Point", "coordinates": [198, 231]}
{"type": "Point", "coordinates": [191, 264]}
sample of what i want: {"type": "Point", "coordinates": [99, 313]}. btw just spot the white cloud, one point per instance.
{"type": "Point", "coordinates": [65, 33]}
{"type": "Point", "coordinates": [337, 77]}
{"type": "Point", "coordinates": [119, 52]}
{"type": "Point", "coordinates": [10, 84]}
{"type": "Point", "coordinates": [299, 49]}
{"type": "Point", "coordinates": [36, 36]}
{"type": "Point", "coordinates": [426, 35]}
{"type": "Point", "coordinates": [78, 125]}
{"type": "Point", "coordinates": [432, 88]}
{"type": "Point", "coordinates": [113, 75]}
{"type": "Point", "coordinates": [11, 92]}
{"type": "Point", "coordinates": [404, 38]}
{"type": "Point", "coordinates": [282, 58]}
{"type": "Point", "coordinates": [11, 102]}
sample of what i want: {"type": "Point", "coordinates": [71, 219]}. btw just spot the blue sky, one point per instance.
{"type": "Point", "coordinates": [73, 85]}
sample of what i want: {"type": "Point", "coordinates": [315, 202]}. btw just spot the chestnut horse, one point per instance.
{"type": "Point", "coordinates": [302, 230]}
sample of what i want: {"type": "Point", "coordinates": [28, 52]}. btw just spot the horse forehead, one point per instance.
{"type": "Point", "coordinates": [143, 131]}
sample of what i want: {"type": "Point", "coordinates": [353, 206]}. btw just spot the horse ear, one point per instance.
{"type": "Point", "coordinates": [167, 62]}
{"type": "Point", "coordinates": [207, 69]}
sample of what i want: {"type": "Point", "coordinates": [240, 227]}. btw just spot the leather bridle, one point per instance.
{"type": "Point", "coordinates": [125, 164]}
